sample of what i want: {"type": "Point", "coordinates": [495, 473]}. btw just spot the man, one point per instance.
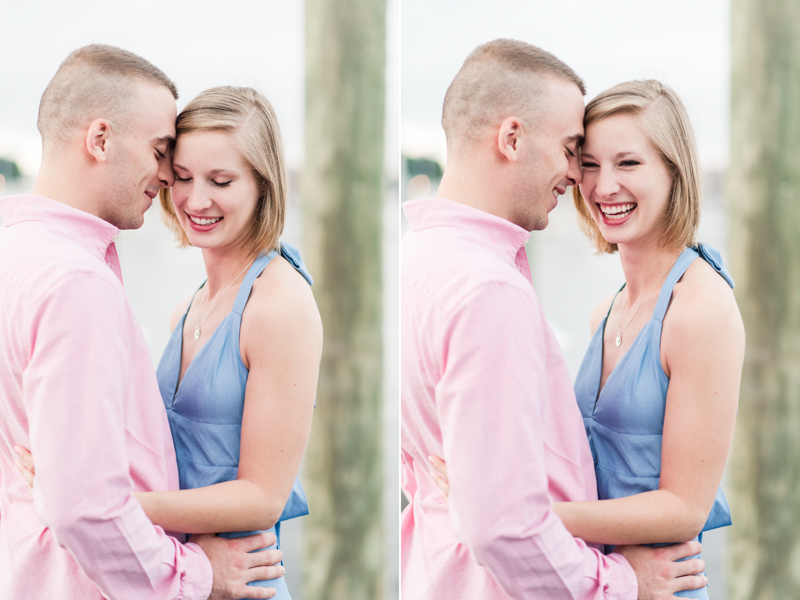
{"type": "Point", "coordinates": [484, 383]}
{"type": "Point", "coordinates": [77, 384]}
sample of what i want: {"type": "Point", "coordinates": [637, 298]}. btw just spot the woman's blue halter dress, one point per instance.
{"type": "Point", "coordinates": [205, 411]}
{"type": "Point", "coordinates": [624, 421]}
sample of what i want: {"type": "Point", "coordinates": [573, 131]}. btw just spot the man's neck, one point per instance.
{"type": "Point", "coordinates": [57, 182]}
{"type": "Point", "coordinates": [471, 184]}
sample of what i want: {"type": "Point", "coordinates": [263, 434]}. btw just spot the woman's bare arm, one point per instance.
{"type": "Point", "coordinates": [282, 342]}
{"type": "Point", "coordinates": [703, 351]}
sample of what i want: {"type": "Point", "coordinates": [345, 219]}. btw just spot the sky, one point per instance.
{"type": "Point", "coordinates": [199, 44]}
{"type": "Point", "coordinates": [683, 43]}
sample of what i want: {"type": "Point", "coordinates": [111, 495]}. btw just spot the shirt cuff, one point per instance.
{"type": "Point", "coordinates": [623, 584]}
{"type": "Point", "coordinates": [198, 576]}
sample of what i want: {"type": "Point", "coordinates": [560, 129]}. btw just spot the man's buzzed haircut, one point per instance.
{"type": "Point", "coordinates": [499, 79]}
{"type": "Point", "coordinates": [93, 82]}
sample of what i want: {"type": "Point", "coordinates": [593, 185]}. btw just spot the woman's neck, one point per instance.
{"type": "Point", "coordinates": [646, 266]}
{"type": "Point", "coordinates": [224, 267]}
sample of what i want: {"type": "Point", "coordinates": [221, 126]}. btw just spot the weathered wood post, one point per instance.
{"type": "Point", "coordinates": [342, 193]}
{"type": "Point", "coordinates": [764, 193]}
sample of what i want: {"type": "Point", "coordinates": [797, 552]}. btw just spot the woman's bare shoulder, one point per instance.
{"type": "Point", "coordinates": [599, 312]}
{"type": "Point", "coordinates": [179, 311]}
{"type": "Point", "coordinates": [703, 306]}
{"type": "Point", "coordinates": [282, 302]}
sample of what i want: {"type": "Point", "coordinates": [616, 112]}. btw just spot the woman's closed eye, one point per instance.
{"type": "Point", "coordinates": [629, 163]}
{"type": "Point", "coordinates": [222, 184]}
{"type": "Point", "coordinates": [182, 179]}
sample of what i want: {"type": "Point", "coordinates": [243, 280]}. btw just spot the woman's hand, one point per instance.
{"type": "Point", "coordinates": [440, 475]}
{"type": "Point", "coordinates": [25, 465]}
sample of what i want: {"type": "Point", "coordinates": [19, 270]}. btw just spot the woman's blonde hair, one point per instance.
{"type": "Point", "coordinates": [666, 123]}
{"type": "Point", "coordinates": [250, 118]}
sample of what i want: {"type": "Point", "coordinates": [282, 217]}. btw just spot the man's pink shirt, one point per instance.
{"type": "Point", "coordinates": [485, 386]}
{"type": "Point", "coordinates": [77, 387]}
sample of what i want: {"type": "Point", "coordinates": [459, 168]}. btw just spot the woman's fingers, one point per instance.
{"type": "Point", "coordinates": [440, 475]}
{"type": "Point", "coordinates": [25, 456]}
{"type": "Point", "coordinates": [439, 465]}
{"type": "Point", "coordinates": [27, 474]}
{"type": "Point", "coordinates": [442, 483]}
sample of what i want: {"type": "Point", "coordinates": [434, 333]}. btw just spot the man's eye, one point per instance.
{"type": "Point", "coordinates": [160, 154]}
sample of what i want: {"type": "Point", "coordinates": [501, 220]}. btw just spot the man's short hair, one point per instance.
{"type": "Point", "coordinates": [94, 81]}
{"type": "Point", "coordinates": [499, 79]}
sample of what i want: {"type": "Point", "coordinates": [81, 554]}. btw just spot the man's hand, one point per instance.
{"type": "Point", "coordinates": [659, 575]}
{"type": "Point", "coordinates": [235, 564]}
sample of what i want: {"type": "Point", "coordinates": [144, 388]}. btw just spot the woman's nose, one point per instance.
{"type": "Point", "coordinates": [606, 184]}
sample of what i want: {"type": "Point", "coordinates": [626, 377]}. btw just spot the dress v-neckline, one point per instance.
{"type": "Point", "coordinates": [600, 385]}
{"type": "Point", "coordinates": [198, 353]}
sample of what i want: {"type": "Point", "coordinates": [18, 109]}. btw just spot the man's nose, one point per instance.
{"type": "Point", "coordinates": [574, 173]}
{"type": "Point", "coordinates": [166, 176]}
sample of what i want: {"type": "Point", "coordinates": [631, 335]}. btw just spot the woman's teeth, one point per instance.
{"type": "Point", "coordinates": [616, 211]}
{"type": "Point", "coordinates": [204, 221]}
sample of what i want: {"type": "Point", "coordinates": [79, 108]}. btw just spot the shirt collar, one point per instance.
{"type": "Point", "coordinates": [493, 231]}
{"type": "Point", "coordinates": [77, 225]}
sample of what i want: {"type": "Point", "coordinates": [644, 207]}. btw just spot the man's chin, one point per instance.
{"type": "Point", "coordinates": [540, 223]}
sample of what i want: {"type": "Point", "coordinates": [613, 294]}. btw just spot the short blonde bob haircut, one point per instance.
{"type": "Point", "coordinates": [250, 118]}
{"type": "Point", "coordinates": [666, 123]}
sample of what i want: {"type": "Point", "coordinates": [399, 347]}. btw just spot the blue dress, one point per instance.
{"type": "Point", "coordinates": [205, 412]}
{"type": "Point", "coordinates": [625, 420]}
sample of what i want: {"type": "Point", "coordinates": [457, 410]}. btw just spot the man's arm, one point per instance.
{"type": "Point", "coordinates": [490, 404]}
{"type": "Point", "coordinates": [73, 387]}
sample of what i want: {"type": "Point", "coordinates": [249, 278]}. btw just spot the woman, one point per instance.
{"type": "Point", "coordinates": [659, 384]}
{"type": "Point", "coordinates": [239, 374]}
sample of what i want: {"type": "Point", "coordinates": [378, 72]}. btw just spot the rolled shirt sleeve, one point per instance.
{"type": "Point", "coordinates": [490, 404]}
{"type": "Point", "coordinates": [74, 387]}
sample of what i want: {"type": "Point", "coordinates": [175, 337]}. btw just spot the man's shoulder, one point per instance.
{"type": "Point", "coordinates": [28, 264]}
{"type": "Point", "coordinates": [449, 265]}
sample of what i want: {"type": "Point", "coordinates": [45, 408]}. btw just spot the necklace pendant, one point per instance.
{"type": "Point", "coordinates": [618, 340]}
{"type": "Point", "coordinates": [197, 333]}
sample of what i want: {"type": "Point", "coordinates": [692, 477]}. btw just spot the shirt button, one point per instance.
{"type": "Point", "coordinates": [114, 239]}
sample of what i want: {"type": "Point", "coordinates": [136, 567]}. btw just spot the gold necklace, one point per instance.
{"type": "Point", "coordinates": [219, 296]}
{"type": "Point", "coordinates": [618, 341]}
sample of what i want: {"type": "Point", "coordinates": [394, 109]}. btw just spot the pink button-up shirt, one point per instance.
{"type": "Point", "coordinates": [485, 386]}
{"type": "Point", "coordinates": [77, 386]}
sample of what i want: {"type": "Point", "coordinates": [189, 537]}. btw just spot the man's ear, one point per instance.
{"type": "Point", "coordinates": [509, 138]}
{"type": "Point", "coordinates": [98, 140]}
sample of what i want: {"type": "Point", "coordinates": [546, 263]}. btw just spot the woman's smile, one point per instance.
{"type": "Point", "coordinates": [616, 214]}
{"type": "Point", "coordinates": [202, 223]}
